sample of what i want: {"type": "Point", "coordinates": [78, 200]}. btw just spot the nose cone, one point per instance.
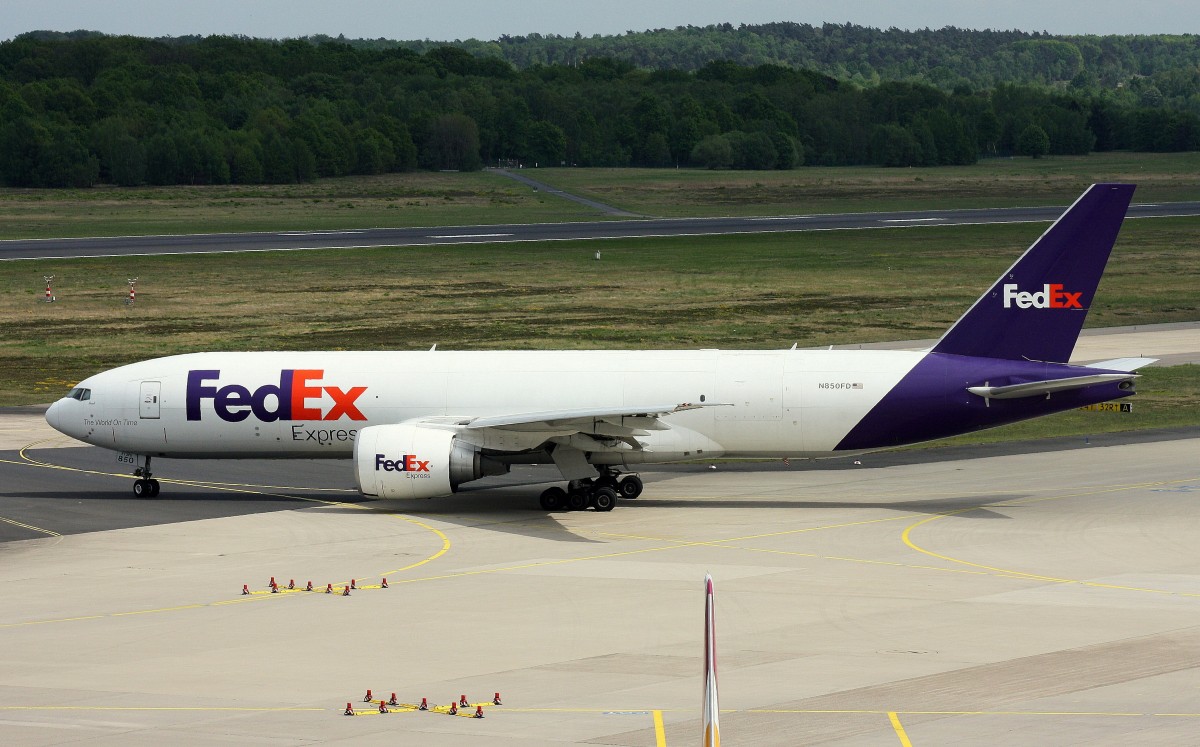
{"type": "Point", "coordinates": [66, 417]}
{"type": "Point", "coordinates": [54, 416]}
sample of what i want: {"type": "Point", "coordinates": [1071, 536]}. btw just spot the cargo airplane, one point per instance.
{"type": "Point", "coordinates": [420, 424]}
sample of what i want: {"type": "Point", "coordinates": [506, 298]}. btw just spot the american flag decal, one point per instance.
{"type": "Point", "coordinates": [856, 385]}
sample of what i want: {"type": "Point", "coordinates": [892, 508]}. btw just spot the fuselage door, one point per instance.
{"type": "Point", "coordinates": [148, 404]}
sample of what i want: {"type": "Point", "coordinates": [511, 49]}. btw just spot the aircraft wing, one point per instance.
{"type": "Point", "coordinates": [571, 431]}
{"type": "Point", "coordinates": [586, 420]}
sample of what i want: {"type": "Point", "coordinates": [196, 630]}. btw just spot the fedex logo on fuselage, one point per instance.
{"type": "Point", "coordinates": [1052, 296]}
{"type": "Point", "coordinates": [293, 398]}
{"type": "Point", "coordinates": [406, 463]}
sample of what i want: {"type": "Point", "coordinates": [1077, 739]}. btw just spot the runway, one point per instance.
{"type": "Point", "coordinates": [980, 596]}
{"type": "Point", "coordinates": [21, 249]}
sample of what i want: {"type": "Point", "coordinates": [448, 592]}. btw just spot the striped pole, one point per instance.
{"type": "Point", "coordinates": [712, 726]}
{"type": "Point", "coordinates": [132, 291]}
{"type": "Point", "coordinates": [49, 297]}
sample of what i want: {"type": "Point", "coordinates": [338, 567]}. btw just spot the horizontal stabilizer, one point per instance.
{"type": "Point", "coordinates": [1048, 386]}
{"type": "Point", "coordinates": [1123, 364]}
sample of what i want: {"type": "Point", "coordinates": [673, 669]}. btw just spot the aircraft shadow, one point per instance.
{"type": "Point", "coordinates": [520, 515]}
{"type": "Point", "coordinates": [174, 494]}
{"type": "Point", "coordinates": [970, 507]}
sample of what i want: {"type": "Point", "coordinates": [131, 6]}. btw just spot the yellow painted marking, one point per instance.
{"type": "Point", "coordinates": [783, 711]}
{"type": "Point", "coordinates": [29, 527]}
{"type": "Point", "coordinates": [228, 487]}
{"type": "Point", "coordinates": [899, 728]}
{"type": "Point", "coordinates": [906, 537]}
{"type": "Point", "coordinates": [660, 734]}
{"type": "Point", "coordinates": [673, 544]}
{"type": "Point", "coordinates": [866, 561]}
{"type": "Point", "coordinates": [161, 609]}
{"type": "Point", "coordinates": [56, 620]}
{"type": "Point", "coordinates": [157, 708]}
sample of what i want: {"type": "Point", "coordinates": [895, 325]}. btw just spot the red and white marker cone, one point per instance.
{"type": "Point", "coordinates": [346, 591]}
{"type": "Point", "coordinates": [478, 712]}
{"type": "Point", "coordinates": [352, 586]}
{"type": "Point", "coordinates": [453, 709]}
{"type": "Point", "coordinates": [291, 583]}
{"type": "Point", "coordinates": [368, 699]}
{"type": "Point", "coordinates": [349, 709]}
{"type": "Point", "coordinates": [271, 582]}
{"type": "Point", "coordinates": [309, 587]}
{"type": "Point", "coordinates": [496, 700]}
{"type": "Point", "coordinates": [245, 589]}
{"type": "Point", "coordinates": [384, 584]}
{"type": "Point", "coordinates": [329, 588]}
{"type": "Point", "coordinates": [393, 701]}
{"type": "Point", "coordinates": [424, 705]}
{"type": "Point", "coordinates": [382, 707]}
{"type": "Point", "coordinates": [462, 702]}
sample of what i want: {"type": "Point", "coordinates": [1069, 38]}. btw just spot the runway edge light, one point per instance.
{"type": "Point", "coordinates": [712, 727]}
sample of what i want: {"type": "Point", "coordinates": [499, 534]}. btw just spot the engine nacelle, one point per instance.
{"type": "Point", "coordinates": [413, 461]}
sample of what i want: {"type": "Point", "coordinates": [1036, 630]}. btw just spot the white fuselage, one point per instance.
{"type": "Point", "coordinates": [771, 403]}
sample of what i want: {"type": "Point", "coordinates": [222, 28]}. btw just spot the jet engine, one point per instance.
{"type": "Point", "coordinates": [408, 460]}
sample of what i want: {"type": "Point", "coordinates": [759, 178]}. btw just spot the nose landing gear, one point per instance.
{"type": "Point", "coordinates": [145, 486]}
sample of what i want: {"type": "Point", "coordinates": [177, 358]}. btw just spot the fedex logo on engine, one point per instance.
{"type": "Point", "coordinates": [1052, 296]}
{"type": "Point", "coordinates": [406, 463]}
{"type": "Point", "coordinates": [293, 398]}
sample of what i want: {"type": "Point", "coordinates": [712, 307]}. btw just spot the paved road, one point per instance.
{"type": "Point", "coordinates": [552, 190]}
{"type": "Point", "coordinates": [19, 249]}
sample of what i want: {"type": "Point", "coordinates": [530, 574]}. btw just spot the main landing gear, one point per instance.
{"type": "Point", "coordinates": [600, 493]}
{"type": "Point", "coordinates": [145, 486]}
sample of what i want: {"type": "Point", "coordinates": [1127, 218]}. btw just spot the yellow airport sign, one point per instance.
{"type": "Point", "coordinates": [1110, 407]}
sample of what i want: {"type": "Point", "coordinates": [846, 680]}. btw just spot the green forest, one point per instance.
{"type": "Point", "coordinates": [1149, 70]}
{"type": "Point", "coordinates": [84, 108]}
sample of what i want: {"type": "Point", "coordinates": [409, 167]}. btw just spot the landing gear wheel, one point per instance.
{"type": "Point", "coordinates": [604, 499]}
{"type": "Point", "coordinates": [553, 499]}
{"type": "Point", "coordinates": [630, 487]}
{"type": "Point", "coordinates": [577, 501]}
{"type": "Point", "coordinates": [144, 486]}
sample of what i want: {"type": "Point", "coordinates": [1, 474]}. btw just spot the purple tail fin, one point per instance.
{"type": "Point", "coordinates": [1036, 309]}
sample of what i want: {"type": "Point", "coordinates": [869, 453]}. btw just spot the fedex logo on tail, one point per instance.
{"type": "Point", "coordinates": [1052, 296]}
{"type": "Point", "coordinates": [295, 397]}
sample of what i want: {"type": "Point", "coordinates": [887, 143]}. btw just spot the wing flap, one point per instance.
{"type": "Point", "coordinates": [641, 417]}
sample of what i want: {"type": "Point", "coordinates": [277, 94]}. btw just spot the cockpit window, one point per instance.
{"type": "Point", "coordinates": [79, 393]}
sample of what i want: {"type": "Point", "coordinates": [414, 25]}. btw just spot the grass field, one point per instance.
{"type": "Point", "coordinates": [756, 291]}
{"type": "Point", "coordinates": [442, 199]}
{"type": "Point", "coordinates": [392, 200]}
{"type": "Point", "coordinates": [1058, 180]}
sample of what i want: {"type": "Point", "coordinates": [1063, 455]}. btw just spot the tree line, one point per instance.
{"type": "Point", "coordinates": [1160, 69]}
{"type": "Point", "coordinates": [82, 108]}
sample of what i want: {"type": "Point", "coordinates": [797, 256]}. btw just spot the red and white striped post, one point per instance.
{"type": "Point", "coordinates": [49, 296]}
{"type": "Point", "coordinates": [711, 712]}
{"type": "Point", "coordinates": [132, 291]}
